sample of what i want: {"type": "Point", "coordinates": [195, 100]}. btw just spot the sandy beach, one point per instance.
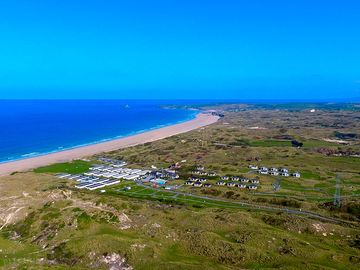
{"type": "Point", "coordinates": [201, 120]}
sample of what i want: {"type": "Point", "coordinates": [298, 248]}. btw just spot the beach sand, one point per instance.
{"type": "Point", "coordinates": [201, 120]}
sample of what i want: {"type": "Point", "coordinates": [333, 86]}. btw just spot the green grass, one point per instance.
{"type": "Point", "coordinates": [270, 143]}
{"type": "Point", "coordinates": [75, 167]}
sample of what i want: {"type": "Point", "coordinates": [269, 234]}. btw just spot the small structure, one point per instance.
{"type": "Point", "coordinates": [241, 185]}
{"type": "Point", "coordinates": [263, 169]}
{"type": "Point", "coordinates": [255, 181]}
{"type": "Point", "coordinates": [131, 177]}
{"type": "Point", "coordinates": [220, 183]}
{"type": "Point", "coordinates": [111, 182]}
{"type": "Point", "coordinates": [202, 180]}
{"type": "Point", "coordinates": [244, 180]}
{"type": "Point", "coordinates": [230, 184]}
{"type": "Point", "coordinates": [197, 184]}
{"type": "Point", "coordinates": [175, 166]}
{"type": "Point", "coordinates": [63, 175]}
{"type": "Point", "coordinates": [253, 167]}
{"type": "Point", "coordinates": [273, 169]}
{"type": "Point", "coordinates": [171, 187]}
{"type": "Point", "coordinates": [252, 187]}
{"type": "Point", "coordinates": [207, 185]}
{"type": "Point", "coordinates": [211, 174]}
{"type": "Point", "coordinates": [263, 172]}
{"type": "Point", "coordinates": [284, 170]}
{"type": "Point", "coordinates": [83, 185]}
{"type": "Point", "coordinates": [171, 174]}
{"type": "Point", "coordinates": [296, 174]}
{"type": "Point", "coordinates": [235, 178]}
{"type": "Point", "coordinates": [200, 168]}
{"type": "Point", "coordinates": [189, 183]}
{"type": "Point", "coordinates": [95, 186]}
{"type": "Point", "coordinates": [274, 173]}
{"type": "Point", "coordinates": [286, 174]}
{"type": "Point", "coordinates": [224, 177]}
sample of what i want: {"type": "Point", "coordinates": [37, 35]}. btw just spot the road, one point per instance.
{"type": "Point", "coordinates": [252, 205]}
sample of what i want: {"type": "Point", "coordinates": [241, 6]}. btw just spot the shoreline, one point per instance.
{"type": "Point", "coordinates": [27, 164]}
{"type": "Point", "coordinates": [109, 139]}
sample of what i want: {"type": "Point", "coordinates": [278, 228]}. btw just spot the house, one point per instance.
{"type": "Point", "coordinates": [244, 180]}
{"type": "Point", "coordinates": [189, 183]}
{"type": "Point", "coordinates": [284, 174]}
{"type": "Point", "coordinates": [273, 169]}
{"type": "Point", "coordinates": [255, 181]}
{"type": "Point", "coordinates": [263, 169]}
{"type": "Point", "coordinates": [235, 178]}
{"type": "Point", "coordinates": [225, 177]}
{"type": "Point", "coordinates": [284, 170]}
{"type": "Point", "coordinates": [211, 174]}
{"type": "Point", "coordinates": [252, 187]}
{"type": "Point", "coordinates": [263, 172]}
{"type": "Point", "coordinates": [220, 183]}
{"type": "Point", "coordinates": [230, 184]}
{"type": "Point", "coordinates": [192, 178]}
{"type": "Point", "coordinates": [207, 185]}
{"type": "Point", "coordinates": [241, 185]}
{"type": "Point", "coordinates": [253, 167]}
{"type": "Point", "coordinates": [202, 180]}
{"type": "Point", "coordinates": [296, 174]}
{"type": "Point", "coordinates": [197, 184]}
{"type": "Point", "coordinates": [274, 173]}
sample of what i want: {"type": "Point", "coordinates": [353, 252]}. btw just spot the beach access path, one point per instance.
{"type": "Point", "coordinates": [201, 120]}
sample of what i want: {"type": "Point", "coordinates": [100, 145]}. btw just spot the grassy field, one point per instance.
{"type": "Point", "coordinates": [167, 236]}
{"type": "Point", "coordinates": [75, 167]}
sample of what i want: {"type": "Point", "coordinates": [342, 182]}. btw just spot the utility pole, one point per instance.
{"type": "Point", "coordinates": [276, 185]}
{"type": "Point", "coordinates": [337, 196]}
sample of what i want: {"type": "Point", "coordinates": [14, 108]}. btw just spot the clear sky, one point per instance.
{"type": "Point", "coordinates": [239, 49]}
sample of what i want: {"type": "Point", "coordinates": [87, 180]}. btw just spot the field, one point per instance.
{"type": "Point", "coordinates": [52, 225]}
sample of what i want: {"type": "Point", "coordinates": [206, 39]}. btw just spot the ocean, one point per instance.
{"type": "Point", "coordinates": [31, 128]}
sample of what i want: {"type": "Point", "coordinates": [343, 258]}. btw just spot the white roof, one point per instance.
{"type": "Point", "coordinates": [95, 186]}
{"type": "Point", "coordinates": [131, 177]}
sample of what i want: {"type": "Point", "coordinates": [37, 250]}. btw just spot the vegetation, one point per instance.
{"type": "Point", "coordinates": [75, 167]}
{"type": "Point", "coordinates": [52, 225]}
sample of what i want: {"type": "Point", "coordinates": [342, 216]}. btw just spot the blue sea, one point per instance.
{"type": "Point", "coordinates": [34, 127]}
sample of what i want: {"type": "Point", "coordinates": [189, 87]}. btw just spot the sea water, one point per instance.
{"type": "Point", "coordinates": [34, 127]}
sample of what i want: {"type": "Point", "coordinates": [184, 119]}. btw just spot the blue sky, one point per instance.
{"type": "Point", "coordinates": [237, 49]}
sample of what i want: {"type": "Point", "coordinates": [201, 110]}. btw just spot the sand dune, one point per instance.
{"type": "Point", "coordinates": [80, 152]}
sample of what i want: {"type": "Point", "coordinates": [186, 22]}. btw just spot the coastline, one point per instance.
{"type": "Point", "coordinates": [80, 145]}
{"type": "Point", "coordinates": [21, 165]}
